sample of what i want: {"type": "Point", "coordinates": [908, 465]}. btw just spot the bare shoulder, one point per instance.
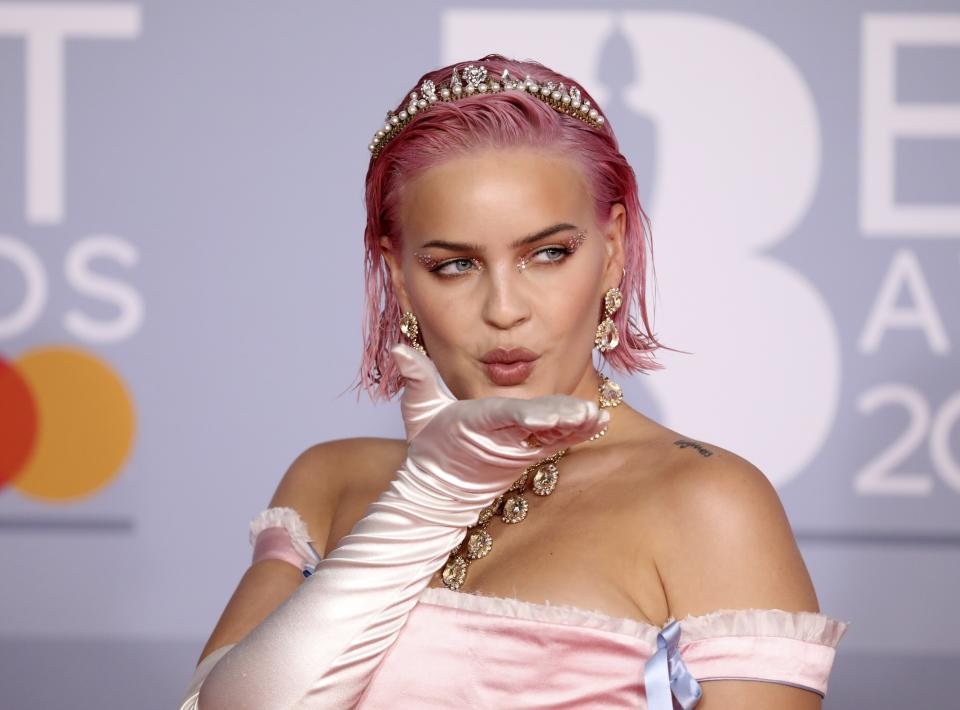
{"type": "Point", "coordinates": [724, 540]}
{"type": "Point", "coordinates": [328, 475]}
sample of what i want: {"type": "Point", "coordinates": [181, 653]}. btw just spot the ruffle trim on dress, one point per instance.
{"type": "Point", "coordinates": [290, 520]}
{"type": "Point", "coordinates": [810, 626]}
{"type": "Point", "coordinates": [807, 626]}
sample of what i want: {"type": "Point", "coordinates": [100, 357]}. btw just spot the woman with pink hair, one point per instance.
{"type": "Point", "coordinates": [534, 541]}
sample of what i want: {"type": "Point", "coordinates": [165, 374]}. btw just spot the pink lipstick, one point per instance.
{"type": "Point", "coordinates": [509, 366]}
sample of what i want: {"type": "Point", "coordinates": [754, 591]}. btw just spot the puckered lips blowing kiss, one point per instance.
{"type": "Point", "coordinates": [509, 366]}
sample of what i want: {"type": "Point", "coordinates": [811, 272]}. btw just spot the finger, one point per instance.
{"type": "Point", "coordinates": [413, 365]}
{"type": "Point", "coordinates": [516, 444]}
{"type": "Point", "coordinates": [556, 412]}
{"type": "Point", "coordinates": [550, 415]}
{"type": "Point", "coordinates": [576, 420]}
{"type": "Point", "coordinates": [540, 424]}
{"type": "Point", "coordinates": [579, 433]}
{"type": "Point", "coordinates": [566, 434]}
{"type": "Point", "coordinates": [423, 393]}
{"type": "Point", "coordinates": [507, 413]}
{"type": "Point", "coordinates": [544, 443]}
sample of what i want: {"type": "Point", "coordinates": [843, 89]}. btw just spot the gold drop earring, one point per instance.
{"type": "Point", "coordinates": [608, 337]}
{"type": "Point", "coordinates": [411, 329]}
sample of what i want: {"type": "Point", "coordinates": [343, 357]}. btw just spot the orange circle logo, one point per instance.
{"type": "Point", "coordinates": [66, 423]}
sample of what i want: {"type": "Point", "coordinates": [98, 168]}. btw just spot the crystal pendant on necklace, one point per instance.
{"type": "Point", "coordinates": [608, 337]}
{"type": "Point", "coordinates": [479, 544]}
{"type": "Point", "coordinates": [490, 510]}
{"type": "Point", "coordinates": [545, 479]}
{"type": "Point", "coordinates": [514, 509]}
{"type": "Point", "coordinates": [455, 572]}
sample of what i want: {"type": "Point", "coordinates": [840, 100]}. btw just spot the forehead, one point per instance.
{"type": "Point", "coordinates": [494, 194]}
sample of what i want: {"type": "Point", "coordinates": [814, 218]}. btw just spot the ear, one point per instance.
{"type": "Point", "coordinates": [394, 264]}
{"type": "Point", "coordinates": [614, 234]}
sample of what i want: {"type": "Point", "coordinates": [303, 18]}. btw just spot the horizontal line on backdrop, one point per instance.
{"type": "Point", "coordinates": [24, 523]}
{"type": "Point", "coordinates": [845, 537]}
{"type": "Point", "coordinates": [874, 537]}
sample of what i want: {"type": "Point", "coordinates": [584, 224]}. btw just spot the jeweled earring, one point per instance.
{"type": "Point", "coordinates": [608, 337]}
{"type": "Point", "coordinates": [410, 328]}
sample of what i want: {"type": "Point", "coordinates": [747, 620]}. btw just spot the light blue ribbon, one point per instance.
{"type": "Point", "coordinates": [666, 675]}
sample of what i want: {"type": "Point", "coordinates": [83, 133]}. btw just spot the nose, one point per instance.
{"type": "Point", "coordinates": [506, 302]}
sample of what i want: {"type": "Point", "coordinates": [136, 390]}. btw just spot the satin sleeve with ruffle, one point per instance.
{"type": "Point", "coordinates": [771, 645]}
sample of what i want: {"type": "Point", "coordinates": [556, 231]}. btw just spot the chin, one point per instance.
{"type": "Point", "coordinates": [525, 390]}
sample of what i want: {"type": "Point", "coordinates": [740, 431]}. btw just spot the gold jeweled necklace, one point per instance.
{"type": "Point", "coordinates": [511, 506]}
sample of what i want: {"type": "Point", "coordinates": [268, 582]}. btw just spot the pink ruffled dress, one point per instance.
{"type": "Point", "coordinates": [467, 650]}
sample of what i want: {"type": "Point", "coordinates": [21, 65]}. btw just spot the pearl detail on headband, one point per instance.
{"type": "Point", "coordinates": [474, 81]}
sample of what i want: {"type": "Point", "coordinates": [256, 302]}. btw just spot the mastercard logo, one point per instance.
{"type": "Point", "coordinates": [66, 423]}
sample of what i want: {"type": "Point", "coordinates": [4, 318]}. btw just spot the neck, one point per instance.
{"type": "Point", "coordinates": [588, 388]}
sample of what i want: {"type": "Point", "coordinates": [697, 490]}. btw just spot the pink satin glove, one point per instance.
{"type": "Point", "coordinates": [320, 647]}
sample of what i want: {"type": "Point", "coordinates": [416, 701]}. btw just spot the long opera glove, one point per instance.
{"type": "Point", "coordinates": [189, 699]}
{"type": "Point", "coordinates": [320, 647]}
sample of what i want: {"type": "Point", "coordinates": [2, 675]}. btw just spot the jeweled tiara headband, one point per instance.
{"type": "Point", "coordinates": [474, 81]}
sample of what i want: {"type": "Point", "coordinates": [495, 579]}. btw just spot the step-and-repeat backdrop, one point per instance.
{"type": "Point", "coordinates": [181, 279]}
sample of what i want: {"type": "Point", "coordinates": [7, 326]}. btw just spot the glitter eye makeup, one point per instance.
{"type": "Point", "coordinates": [569, 246]}
{"type": "Point", "coordinates": [574, 242]}
{"type": "Point", "coordinates": [425, 259]}
{"type": "Point", "coordinates": [434, 265]}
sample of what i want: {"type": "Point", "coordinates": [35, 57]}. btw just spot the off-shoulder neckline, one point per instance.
{"type": "Point", "coordinates": [802, 625]}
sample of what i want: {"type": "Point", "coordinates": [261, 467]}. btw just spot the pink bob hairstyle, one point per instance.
{"type": "Point", "coordinates": [504, 119]}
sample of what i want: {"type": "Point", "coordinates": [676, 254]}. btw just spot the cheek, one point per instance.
{"type": "Point", "coordinates": [572, 316]}
{"type": "Point", "coordinates": [445, 320]}
{"type": "Point", "coordinates": [450, 328]}
{"type": "Point", "coordinates": [571, 305]}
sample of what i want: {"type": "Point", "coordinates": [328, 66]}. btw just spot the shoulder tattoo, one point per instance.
{"type": "Point", "coordinates": [695, 445]}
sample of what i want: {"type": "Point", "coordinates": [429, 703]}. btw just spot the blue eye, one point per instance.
{"type": "Point", "coordinates": [560, 253]}
{"type": "Point", "coordinates": [439, 269]}
{"type": "Point", "coordinates": [453, 268]}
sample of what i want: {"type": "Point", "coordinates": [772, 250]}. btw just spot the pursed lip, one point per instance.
{"type": "Point", "coordinates": [508, 355]}
{"type": "Point", "coordinates": [508, 367]}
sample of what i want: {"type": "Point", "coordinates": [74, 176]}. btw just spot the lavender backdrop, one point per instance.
{"type": "Point", "coordinates": [181, 210]}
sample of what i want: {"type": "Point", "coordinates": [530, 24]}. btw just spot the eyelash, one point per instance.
{"type": "Point", "coordinates": [565, 253]}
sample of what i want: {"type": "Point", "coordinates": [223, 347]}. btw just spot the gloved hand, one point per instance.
{"type": "Point", "coordinates": [320, 647]}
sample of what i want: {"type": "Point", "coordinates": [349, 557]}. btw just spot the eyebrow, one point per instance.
{"type": "Point", "coordinates": [460, 246]}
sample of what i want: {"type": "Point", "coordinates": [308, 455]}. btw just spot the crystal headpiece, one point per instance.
{"type": "Point", "coordinates": [474, 81]}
